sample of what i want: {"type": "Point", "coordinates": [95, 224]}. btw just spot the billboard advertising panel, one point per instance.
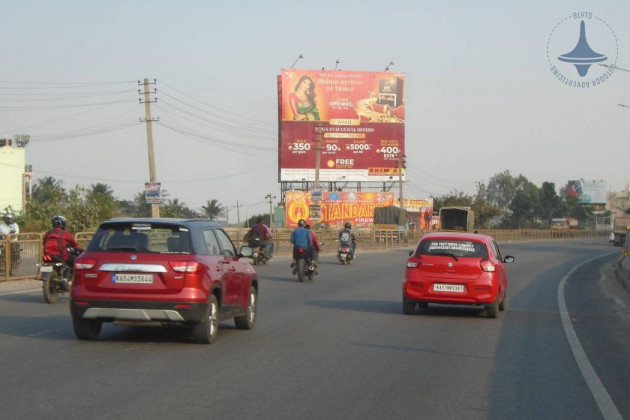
{"type": "Point", "coordinates": [588, 192]}
{"type": "Point", "coordinates": [359, 116]}
{"type": "Point", "coordinates": [424, 209]}
{"type": "Point", "coordinates": [336, 208]}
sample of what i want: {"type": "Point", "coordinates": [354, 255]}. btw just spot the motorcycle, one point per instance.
{"type": "Point", "coordinates": [258, 256]}
{"type": "Point", "coordinates": [345, 253]}
{"type": "Point", "coordinates": [56, 276]}
{"type": "Point", "coordinates": [304, 267]}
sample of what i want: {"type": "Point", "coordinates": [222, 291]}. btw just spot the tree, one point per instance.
{"type": "Point", "coordinates": [175, 208]}
{"type": "Point", "coordinates": [454, 198]}
{"type": "Point", "coordinates": [501, 189]}
{"type": "Point", "coordinates": [525, 206]}
{"type": "Point", "coordinates": [550, 203]}
{"type": "Point", "coordinates": [485, 212]}
{"type": "Point", "coordinates": [213, 210]}
{"type": "Point", "coordinates": [102, 189]}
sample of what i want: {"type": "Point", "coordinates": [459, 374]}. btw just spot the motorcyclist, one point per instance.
{"type": "Point", "coordinates": [260, 235]}
{"type": "Point", "coordinates": [57, 240]}
{"type": "Point", "coordinates": [300, 238]}
{"type": "Point", "coordinates": [10, 228]}
{"type": "Point", "coordinates": [346, 235]}
{"type": "Point", "coordinates": [314, 248]}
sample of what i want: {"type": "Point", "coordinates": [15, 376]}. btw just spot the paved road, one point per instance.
{"type": "Point", "coordinates": [340, 348]}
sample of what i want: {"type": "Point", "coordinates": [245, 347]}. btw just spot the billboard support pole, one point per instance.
{"type": "Point", "coordinates": [318, 156]}
{"type": "Point", "coordinates": [400, 186]}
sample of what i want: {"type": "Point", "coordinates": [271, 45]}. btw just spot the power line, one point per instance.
{"type": "Point", "coordinates": [213, 106]}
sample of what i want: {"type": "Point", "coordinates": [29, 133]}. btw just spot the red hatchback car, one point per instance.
{"type": "Point", "coordinates": [456, 268]}
{"type": "Point", "coordinates": [156, 271]}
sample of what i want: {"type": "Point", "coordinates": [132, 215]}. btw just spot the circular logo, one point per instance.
{"type": "Point", "coordinates": [582, 51]}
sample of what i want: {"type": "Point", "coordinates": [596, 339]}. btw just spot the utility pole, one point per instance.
{"type": "Point", "coordinates": [271, 198]}
{"type": "Point", "coordinates": [155, 208]}
{"type": "Point", "coordinates": [238, 224]}
{"type": "Point", "coordinates": [319, 130]}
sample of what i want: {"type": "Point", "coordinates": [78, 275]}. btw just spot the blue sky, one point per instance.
{"type": "Point", "coordinates": [480, 98]}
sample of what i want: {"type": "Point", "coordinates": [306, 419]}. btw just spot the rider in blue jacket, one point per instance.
{"type": "Point", "coordinates": [300, 238]}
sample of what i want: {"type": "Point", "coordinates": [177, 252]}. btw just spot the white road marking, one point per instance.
{"type": "Point", "coordinates": [21, 291]}
{"type": "Point", "coordinates": [604, 402]}
{"type": "Point", "coordinates": [46, 332]}
{"type": "Point", "coordinates": [619, 302]}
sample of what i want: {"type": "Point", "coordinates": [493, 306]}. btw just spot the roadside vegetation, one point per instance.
{"type": "Point", "coordinates": [506, 201]}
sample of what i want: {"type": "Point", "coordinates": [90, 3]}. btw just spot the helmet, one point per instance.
{"type": "Point", "coordinates": [8, 218]}
{"type": "Point", "coordinates": [58, 221]}
{"type": "Point", "coordinates": [348, 225]}
{"type": "Point", "coordinates": [301, 222]}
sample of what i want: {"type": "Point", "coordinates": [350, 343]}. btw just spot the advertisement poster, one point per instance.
{"type": "Point", "coordinates": [593, 192]}
{"type": "Point", "coordinates": [423, 207]}
{"type": "Point", "coordinates": [153, 192]}
{"type": "Point", "coordinates": [336, 208]}
{"type": "Point", "coordinates": [359, 118]}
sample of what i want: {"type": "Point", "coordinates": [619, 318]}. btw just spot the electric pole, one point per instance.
{"type": "Point", "coordinates": [155, 207]}
{"type": "Point", "coordinates": [271, 198]}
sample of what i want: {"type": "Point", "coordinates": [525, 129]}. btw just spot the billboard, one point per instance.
{"type": "Point", "coordinates": [358, 116]}
{"type": "Point", "coordinates": [588, 192]}
{"type": "Point", "coordinates": [336, 208]}
{"type": "Point", "coordinates": [424, 209]}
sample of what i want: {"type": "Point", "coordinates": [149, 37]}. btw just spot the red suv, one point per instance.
{"type": "Point", "coordinates": [456, 268]}
{"type": "Point", "coordinates": [162, 271]}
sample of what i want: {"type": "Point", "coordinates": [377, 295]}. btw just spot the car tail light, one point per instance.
{"type": "Point", "coordinates": [414, 262]}
{"type": "Point", "coordinates": [487, 266]}
{"type": "Point", "coordinates": [85, 264]}
{"type": "Point", "coordinates": [185, 266]}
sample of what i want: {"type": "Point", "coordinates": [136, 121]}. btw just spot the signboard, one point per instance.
{"type": "Point", "coordinates": [422, 206]}
{"type": "Point", "coordinates": [588, 192]}
{"type": "Point", "coordinates": [336, 208]}
{"type": "Point", "coordinates": [153, 192]}
{"type": "Point", "coordinates": [358, 116]}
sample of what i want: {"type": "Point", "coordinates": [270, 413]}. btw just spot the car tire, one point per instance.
{"type": "Point", "coordinates": [493, 309]}
{"type": "Point", "coordinates": [247, 321]}
{"type": "Point", "coordinates": [206, 330]}
{"type": "Point", "coordinates": [409, 308]}
{"type": "Point", "coordinates": [86, 329]}
{"type": "Point", "coordinates": [49, 288]}
{"type": "Point", "coordinates": [503, 303]}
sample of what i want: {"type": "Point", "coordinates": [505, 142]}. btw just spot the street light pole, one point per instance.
{"type": "Point", "coordinates": [270, 198]}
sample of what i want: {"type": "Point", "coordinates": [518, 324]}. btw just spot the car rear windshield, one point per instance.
{"type": "Point", "coordinates": [454, 247]}
{"type": "Point", "coordinates": [141, 238]}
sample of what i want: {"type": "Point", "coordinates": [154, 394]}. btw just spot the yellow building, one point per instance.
{"type": "Point", "coordinates": [13, 175]}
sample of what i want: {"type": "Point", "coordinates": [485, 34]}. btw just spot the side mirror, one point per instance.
{"type": "Point", "coordinates": [508, 259]}
{"type": "Point", "coordinates": [410, 253]}
{"type": "Point", "coordinates": [245, 251]}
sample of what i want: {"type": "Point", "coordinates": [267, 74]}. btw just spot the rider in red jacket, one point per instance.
{"type": "Point", "coordinates": [57, 240]}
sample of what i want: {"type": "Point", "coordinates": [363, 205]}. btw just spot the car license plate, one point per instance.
{"type": "Point", "coordinates": [457, 288]}
{"type": "Point", "coordinates": [45, 269]}
{"type": "Point", "coordinates": [132, 278]}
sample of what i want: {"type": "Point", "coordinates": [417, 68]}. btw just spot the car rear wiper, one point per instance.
{"type": "Point", "coordinates": [446, 254]}
{"type": "Point", "coordinates": [123, 248]}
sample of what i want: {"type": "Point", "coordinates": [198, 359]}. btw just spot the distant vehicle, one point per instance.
{"type": "Point", "coordinates": [563, 223]}
{"type": "Point", "coordinates": [456, 268]}
{"type": "Point", "coordinates": [156, 271]}
{"type": "Point", "coordinates": [620, 229]}
{"type": "Point", "coordinates": [457, 219]}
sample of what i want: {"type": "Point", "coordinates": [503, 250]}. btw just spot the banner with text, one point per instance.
{"type": "Point", "coordinates": [359, 117]}
{"type": "Point", "coordinates": [336, 208]}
